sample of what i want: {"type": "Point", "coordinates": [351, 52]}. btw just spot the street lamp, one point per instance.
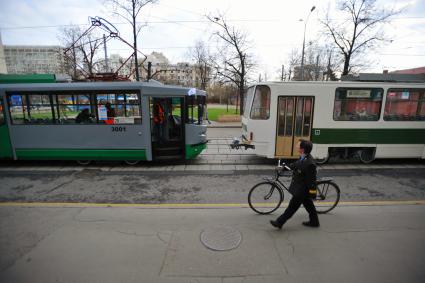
{"type": "Point", "coordinates": [302, 56]}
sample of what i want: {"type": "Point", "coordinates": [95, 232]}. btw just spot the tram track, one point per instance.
{"type": "Point", "coordinates": [196, 169]}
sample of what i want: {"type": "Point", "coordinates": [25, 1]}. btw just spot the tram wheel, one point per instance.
{"type": "Point", "coordinates": [367, 155]}
{"type": "Point", "coordinates": [84, 162]}
{"type": "Point", "coordinates": [131, 162]}
{"type": "Point", "coordinates": [322, 160]}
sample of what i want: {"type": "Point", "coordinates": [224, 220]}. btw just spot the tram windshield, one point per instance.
{"type": "Point", "coordinates": [196, 111]}
{"type": "Point", "coordinates": [248, 99]}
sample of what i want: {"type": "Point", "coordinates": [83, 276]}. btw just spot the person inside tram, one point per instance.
{"type": "Point", "coordinates": [362, 112]}
{"type": "Point", "coordinates": [84, 117]}
{"type": "Point", "coordinates": [159, 119]}
{"type": "Point", "coordinates": [110, 112]}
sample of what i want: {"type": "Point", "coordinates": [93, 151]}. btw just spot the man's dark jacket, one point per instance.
{"type": "Point", "coordinates": [303, 176]}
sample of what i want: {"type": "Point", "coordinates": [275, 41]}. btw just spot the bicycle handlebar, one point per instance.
{"type": "Point", "coordinates": [282, 165]}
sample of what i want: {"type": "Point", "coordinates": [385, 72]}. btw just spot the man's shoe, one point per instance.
{"type": "Point", "coordinates": [275, 224]}
{"type": "Point", "coordinates": [309, 224]}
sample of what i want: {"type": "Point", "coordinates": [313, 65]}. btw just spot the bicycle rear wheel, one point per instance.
{"type": "Point", "coordinates": [265, 197]}
{"type": "Point", "coordinates": [327, 197]}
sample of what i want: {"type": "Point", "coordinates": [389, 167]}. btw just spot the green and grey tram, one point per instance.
{"type": "Point", "coordinates": [365, 119]}
{"type": "Point", "coordinates": [129, 121]}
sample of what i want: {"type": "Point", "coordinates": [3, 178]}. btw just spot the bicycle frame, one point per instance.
{"type": "Point", "coordinates": [321, 193]}
{"type": "Point", "coordinates": [255, 200]}
{"type": "Point", "coordinates": [279, 184]}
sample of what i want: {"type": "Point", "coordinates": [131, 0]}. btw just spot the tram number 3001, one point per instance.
{"type": "Point", "coordinates": [118, 129]}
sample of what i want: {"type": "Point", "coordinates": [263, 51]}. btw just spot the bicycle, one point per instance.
{"type": "Point", "coordinates": [267, 196]}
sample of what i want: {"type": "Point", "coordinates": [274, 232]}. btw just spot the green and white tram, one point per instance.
{"type": "Point", "coordinates": [86, 121]}
{"type": "Point", "coordinates": [366, 119]}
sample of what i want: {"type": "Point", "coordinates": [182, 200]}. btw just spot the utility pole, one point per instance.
{"type": "Point", "coordinates": [106, 54]}
{"type": "Point", "coordinates": [328, 68]}
{"type": "Point", "coordinates": [302, 56]}
{"type": "Point", "coordinates": [283, 71]}
{"type": "Point", "coordinates": [317, 68]}
{"type": "Point", "coordinates": [149, 70]}
{"type": "Point", "coordinates": [74, 59]}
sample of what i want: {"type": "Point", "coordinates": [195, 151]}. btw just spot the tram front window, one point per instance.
{"type": "Point", "coordinates": [196, 110]}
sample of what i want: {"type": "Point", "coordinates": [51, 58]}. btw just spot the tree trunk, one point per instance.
{"type": "Point", "coordinates": [135, 42]}
{"type": "Point", "coordinates": [346, 65]}
{"type": "Point", "coordinates": [241, 86]}
{"type": "Point", "coordinates": [241, 104]}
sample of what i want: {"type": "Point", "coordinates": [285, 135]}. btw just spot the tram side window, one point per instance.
{"type": "Point", "coordinates": [18, 108]}
{"type": "Point", "coordinates": [73, 109]}
{"type": "Point", "coordinates": [261, 105]}
{"type": "Point", "coordinates": [119, 108]}
{"type": "Point", "coordinates": [30, 108]}
{"type": "Point", "coordinates": [40, 109]}
{"type": "Point", "coordinates": [405, 105]}
{"type": "Point", "coordinates": [1, 112]}
{"type": "Point", "coordinates": [355, 104]}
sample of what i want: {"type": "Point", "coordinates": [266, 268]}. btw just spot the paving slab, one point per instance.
{"type": "Point", "coordinates": [137, 244]}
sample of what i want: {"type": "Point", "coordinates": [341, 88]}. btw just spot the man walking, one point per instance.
{"type": "Point", "coordinates": [303, 180]}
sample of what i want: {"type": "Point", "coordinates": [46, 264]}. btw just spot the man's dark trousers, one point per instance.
{"type": "Point", "coordinates": [293, 206]}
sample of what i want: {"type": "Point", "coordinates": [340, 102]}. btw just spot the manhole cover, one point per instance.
{"type": "Point", "coordinates": [221, 238]}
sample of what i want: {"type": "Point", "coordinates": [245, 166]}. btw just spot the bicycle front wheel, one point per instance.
{"type": "Point", "coordinates": [265, 197]}
{"type": "Point", "coordinates": [327, 197]}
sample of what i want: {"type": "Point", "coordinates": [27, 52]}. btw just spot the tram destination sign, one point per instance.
{"type": "Point", "coordinates": [359, 93]}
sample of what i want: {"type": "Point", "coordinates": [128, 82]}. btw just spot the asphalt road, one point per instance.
{"type": "Point", "coordinates": [159, 187]}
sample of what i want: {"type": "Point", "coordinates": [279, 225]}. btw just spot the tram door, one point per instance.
{"type": "Point", "coordinates": [5, 146]}
{"type": "Point", "coordinates": [167, 128]}
{"type": "Point", "coordinates": [293, 123]}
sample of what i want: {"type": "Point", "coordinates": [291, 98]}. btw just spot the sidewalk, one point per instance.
{"type": "Point", "coordinates": [215, 124]}
{"type": "Point", "coordinates": [139, 244]}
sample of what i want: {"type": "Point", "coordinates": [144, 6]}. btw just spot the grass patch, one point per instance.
{"type": "Point", "coordinates": [214, 113]}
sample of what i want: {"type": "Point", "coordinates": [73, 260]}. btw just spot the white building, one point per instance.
{"type": "Point", "coordinates": [27, 59]}
{"type": "Point", "coordinates": [3, 69]}
{"type": "Point", "coordinates": [182, 73]}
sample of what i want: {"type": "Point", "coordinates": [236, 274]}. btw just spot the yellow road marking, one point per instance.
{"type": "Point", "coordinates": [196, 205]}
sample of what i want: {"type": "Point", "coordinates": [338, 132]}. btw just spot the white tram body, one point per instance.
{"type": "Point", "coordinates": [370, 119]}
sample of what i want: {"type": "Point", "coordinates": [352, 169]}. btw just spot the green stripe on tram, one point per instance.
{"type": "Point", "coordinates": [365, 136]}
{"type": "Point", "coordinates": [194, 150]}
{"type": "Point", "coordinates": [81, 154]}
{"type": "Point", "coordinates": [5, 146]}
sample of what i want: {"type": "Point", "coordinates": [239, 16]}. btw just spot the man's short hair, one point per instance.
{"type": "Point", "coordinates": [306, 145]}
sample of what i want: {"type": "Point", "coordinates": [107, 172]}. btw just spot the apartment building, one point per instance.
{"type": "Point", "coordinates": [28, 59]}
{"type": "Point", "coordinates": [3, 69]}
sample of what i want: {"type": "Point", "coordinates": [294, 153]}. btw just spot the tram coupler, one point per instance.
{"type": "Point", "coordinates": [237, 144]}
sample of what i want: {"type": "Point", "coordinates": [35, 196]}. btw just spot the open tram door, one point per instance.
{"type": "Point", "coordinates": [294, 120]}
{"type": "Point", "coordinates": [167, 128]}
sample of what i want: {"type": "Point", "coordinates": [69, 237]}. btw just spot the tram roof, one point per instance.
{"type": "Point", "coordinates": [147, 88]}
{"type": "Point", "coordinates": [341, 83]}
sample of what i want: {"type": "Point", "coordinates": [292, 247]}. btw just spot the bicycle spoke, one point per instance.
{"type": "Point", "coordinates": [264, 198]}
{"type": "Point", "coordinates": [327, 198]}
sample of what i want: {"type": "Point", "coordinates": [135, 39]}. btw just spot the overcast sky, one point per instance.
{"type": "Point", "coordinates": [173, 26]}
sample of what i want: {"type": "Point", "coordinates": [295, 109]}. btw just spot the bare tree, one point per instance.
{"type": "Point", "coordinates": [83, 54]}
{"type": "Point", "coordinates": [294, 59]}
{"type": "Point", "coordinates": [129, 10]}
{"type": "Point", "coordinates": [235, 62]}
{"type": "Point", "coordinates": [203, 59]}
{"type": "Point", "coordinates": [360, 30]}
